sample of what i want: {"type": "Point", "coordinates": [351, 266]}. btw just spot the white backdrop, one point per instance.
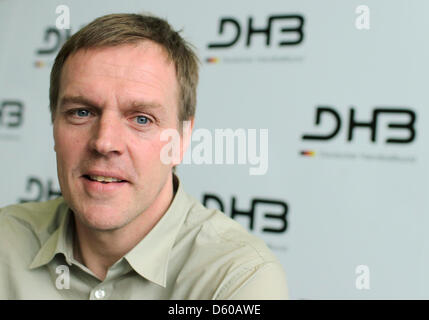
{"type": "Point", "coordinates": [345, 202]}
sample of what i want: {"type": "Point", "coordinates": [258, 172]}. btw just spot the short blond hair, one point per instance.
{"type": "Point", "coordinates": [119, 29]}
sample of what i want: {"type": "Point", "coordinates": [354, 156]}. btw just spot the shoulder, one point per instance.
{"type": "Point", "coordinates": [31, 217]}
{"type": "Point", "coordinates": [216, 229]}
{"type": "Point", "coordinates": [224, 253]}
{"type": "Point", "coordinates": [23, 229]}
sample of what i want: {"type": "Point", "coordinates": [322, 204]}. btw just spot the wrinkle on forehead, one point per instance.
{"type": "Point", "coordinates": [104, 61]}
{"type": "Point", "coordinates": [142, 65]}
{"type": "Point", "coordinates": [127, 72]}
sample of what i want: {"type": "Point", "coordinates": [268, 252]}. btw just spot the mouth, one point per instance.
{"type": "Point", "coordinates": [103, 179]}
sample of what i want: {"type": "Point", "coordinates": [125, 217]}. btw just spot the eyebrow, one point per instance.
{"type": "Point", "coordinates": [87, 102]}
{"type": "Point", "coordinates": [77, 100]}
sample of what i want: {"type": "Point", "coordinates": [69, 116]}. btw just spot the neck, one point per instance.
{"type": "Point", "coordinates": [99, 250]}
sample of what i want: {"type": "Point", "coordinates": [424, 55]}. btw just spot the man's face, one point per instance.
{"type": "Point", "coordinates": [113, 105]}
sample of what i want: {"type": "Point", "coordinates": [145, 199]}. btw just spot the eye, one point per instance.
{"type": "Point", "coordinates": [142, 120]}
{"type": "Point", "coordinates": [81, 113]}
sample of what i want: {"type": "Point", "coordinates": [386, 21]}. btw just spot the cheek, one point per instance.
{"type": "Point", "coordinates": [68, 146]}
{"type": "Point", "coordinates": [147, 152]}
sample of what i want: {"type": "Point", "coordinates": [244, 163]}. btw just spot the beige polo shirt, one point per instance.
{"type": "Point", "coordinates": [192, 253]}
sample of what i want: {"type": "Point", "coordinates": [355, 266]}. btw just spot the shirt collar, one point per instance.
{"type": "Point", "coordinates": [59, 242]}
{"type": "Point", "coordinates": [149, 258]}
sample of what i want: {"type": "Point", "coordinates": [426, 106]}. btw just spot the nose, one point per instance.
{"type": "Point", "coordinates": [107, 136]}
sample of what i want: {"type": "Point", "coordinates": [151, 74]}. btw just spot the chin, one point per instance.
{"type": "Point", "coordinates": [103, 225]}
{"type": "Point", "coordinates": [103, 219]}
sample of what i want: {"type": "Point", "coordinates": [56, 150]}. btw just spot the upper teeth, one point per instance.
{"type": "Point", "coordinates": [104, 179]}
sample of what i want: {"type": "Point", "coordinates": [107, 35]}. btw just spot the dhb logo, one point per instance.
{"type": "Point", "coordinates": [40, 191]}
{"type": "Point", "coordinates": [53, 39]}
{"type": "Point", "coordinates": [291, 26]}
{"type": "Point", "coordinates": [280, 207]}
{"type": "Point", "coordinates": [407, 125]}
{"type": "Point", "coordinates": [11, 113]}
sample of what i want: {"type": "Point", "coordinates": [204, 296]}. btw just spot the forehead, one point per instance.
{"type": "Point", "coordinates": [132, 71]}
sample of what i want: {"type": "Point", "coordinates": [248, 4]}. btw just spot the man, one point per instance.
{"type": "Point", "coordinates": [125, 228]}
